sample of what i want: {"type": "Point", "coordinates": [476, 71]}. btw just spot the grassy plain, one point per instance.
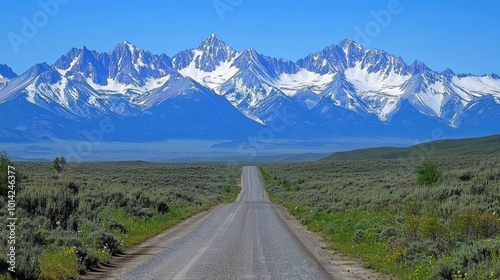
{"type": "Point", "coordinates": [70, 222]}
{"type": "Point", "coordinates": [374, 209]}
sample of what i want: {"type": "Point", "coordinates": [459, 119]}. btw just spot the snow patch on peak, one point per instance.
{"type": "Point", "coordinates": [478, 86]}
{"type": "Point", "coordinates": [379, 90]}
{"type": "Point", "coordinates": [222, 73]}
{"type": "Point", "coordinates": [58, 92]}
{"type": "Point", "coordinates": [432, 99]}
{"type": "Point", "coordinates": [71, 65]}
{"type": "Point", "coordinates": [364, 81]}
{"type": "Point", "coordinates": [139, 62]}
{"type": "Point", "coordinates": [113, 86]}
{"type": "Point", "coordinates": [290, 84]}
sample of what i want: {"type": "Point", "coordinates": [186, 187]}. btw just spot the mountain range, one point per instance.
{"type": "Point", "coordinates": [216, 92]}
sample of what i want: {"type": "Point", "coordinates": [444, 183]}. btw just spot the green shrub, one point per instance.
{"type": "Point", "coordinates": [479, 261]}
{"type": "Point", "coordinates": [114, 225]}
{"type": "Point", "coordinates": [286, 185]}
{"type": "Point", "coordinates": [387, 234]}
{"type": "Point", "coordinates": [143, 212]}
{"type": "Point", "coordinates": [428, 174]}
{"type": "Point", "coordinates": [359, 236]}
{"type": "Point", "coordinates": [87, 258]}
{"type": "Point", "coordinates": [470, 224]}
{"type": "Point", "coordinates": [476, 253]}
{"type": "Point", "coordinates": [59, 164]}
{"type": "Point", "coordinates": [417, 250]}
{"type": "Point", "coordinates": [27, 261]}
{"type": "Point", "coordinates": [162, 207]}
{"type": "Point", "coordinates": [307, 219]}
{"type": "Point", "coordinates": [444, 271]}
{"type": "Point", "coordinates": [479, 188]}
{"type": "Point", "coordinates": [102, 239]}
{"type": "Point", "coordinates": [430, 227]}
{"type": "Point", "coordinates": [465, 176]}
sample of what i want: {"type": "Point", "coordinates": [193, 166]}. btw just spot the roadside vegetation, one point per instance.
{"type": "Point", "coordinates": [72, 217]}
{"type": "Point", "coordinates": [414, 218]}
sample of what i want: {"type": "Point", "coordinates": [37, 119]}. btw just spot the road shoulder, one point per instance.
{"type": "Point", "coordinates": [341, 268]}
{"type": "Point", "coordinates": [121, 264]}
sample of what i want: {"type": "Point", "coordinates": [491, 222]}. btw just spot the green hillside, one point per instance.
{"type": "Point", "coordinates": [475, 146]}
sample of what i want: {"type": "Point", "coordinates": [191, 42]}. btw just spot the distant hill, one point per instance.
{"type": "Point", "coordinates": [474, 146]}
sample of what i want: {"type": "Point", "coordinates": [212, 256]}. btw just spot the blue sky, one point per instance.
{"type": "Point", "coordinates": [461, 35]}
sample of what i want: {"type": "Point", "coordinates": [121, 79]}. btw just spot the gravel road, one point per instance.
{"type": "Point", "coordinates": [249, 239]}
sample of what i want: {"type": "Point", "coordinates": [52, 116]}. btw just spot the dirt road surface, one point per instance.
{"type": "Point", "coordinates": [249, 239]}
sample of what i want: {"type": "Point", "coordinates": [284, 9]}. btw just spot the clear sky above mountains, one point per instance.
{"type": "Point", "coordinates": [461, 35]}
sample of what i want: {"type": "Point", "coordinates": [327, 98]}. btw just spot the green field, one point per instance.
{"type": "Point", "coordinates": [69, 222]}
{"type": "Point", "coordinates": [487, 146]}
{"type": "Point", "coordinates": [426, 212]}
{"type": "Point", "coordinates": [376, 209]}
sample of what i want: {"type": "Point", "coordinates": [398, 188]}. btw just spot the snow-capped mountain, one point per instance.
{"type": "Point", "coordinates": [342, 89]}
{"type": "Point", "coordinates": [364, 81]}
{"type": "Point", "coordinates": [6, 74]}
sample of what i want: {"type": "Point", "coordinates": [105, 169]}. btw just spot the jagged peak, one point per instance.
{"type": "Point", "coordinates": [128, 46]}
{"type": "Point", "coordinates": [42, 65]}
{"type": "Point", "coordinates": [347, 43]}
{"type": "Point", "coordinates": [212, 40]}
{"type": "Point", "coordinates": [378, 51]}
{"type": "Point", "coordinates": [418, 63]}
{"type": "Point", "coordinates": [448, 70]}
{"type": "Point", "coordinates": [86, 51]}
{"type": "Point", "coordinates": [37, 69]}
{"type": "Point", "coordinates": [331, 48]}
{"type": "Point", "coordinates": [213, 36]}
{"type": "Point", "coordinates": [448, 73]}
{"type": "Point", "coordinates": [418, 66]}
{"type": "Point", "coordinates": [7, 72]}
{"type": "Point", "coordinates": [250, 51]}
{"type": "Point", "coordinates": [213, 44]}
